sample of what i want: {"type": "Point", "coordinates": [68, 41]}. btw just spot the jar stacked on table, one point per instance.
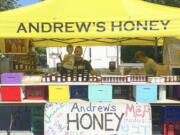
{"type": "Point", "coordinates": [70, 77]}
{"type": "Point", "coordinates": [123, 78]}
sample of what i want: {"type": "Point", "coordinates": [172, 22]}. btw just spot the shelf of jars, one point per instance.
{"type": "Point", "coordinates": [23, 63]}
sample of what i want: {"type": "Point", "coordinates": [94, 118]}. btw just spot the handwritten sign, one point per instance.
{"type": "Point", "coordinates": [97, 119]}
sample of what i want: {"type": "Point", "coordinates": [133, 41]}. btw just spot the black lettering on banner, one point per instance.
{"type": "Point", "coordinates": [58, 26]}
{"type": "Point", "coordinates": [101, 27]}
{"type": "Point", "coordinates": [76, 121]}
{"type": "Point", "coordinates": [129, 26]}
{"type": "Point", "coordinates": [106, 122]}
{"type": "Point", "coordinates": [83, 26]}
{"type": "Point", "coordinates": [140, 25]}
{"type": "Point", "coordinates": [153, 24]}
{"type": "Point", "coordinates": [118, 126]}
{"type": "Point", "coordinates": [31, 26]}
{"type": "Point", "coordinates": [68, 26]}
{"type": "Point", "coordinates": [165, 23]}
{"type": "Point", "coordinates": [113, 25]}
{"type": "Point", "coordinates": [21, 28]}
{"type": "Point", "coordinates": [95, 120]}
{"type": "Point", "coordinates": [46, 27]}
{"type": "Point", "coordinates": [90, 121]}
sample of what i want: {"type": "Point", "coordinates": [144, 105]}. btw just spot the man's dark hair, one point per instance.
{"type": "Point", "coordinates": [79, 47]}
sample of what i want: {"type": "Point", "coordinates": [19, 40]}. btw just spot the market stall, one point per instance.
{"type": "Point", "coordinates": [87, 23]}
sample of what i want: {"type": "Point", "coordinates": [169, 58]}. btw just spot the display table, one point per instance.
{"type": "Point", "coordinates": [162, 100]}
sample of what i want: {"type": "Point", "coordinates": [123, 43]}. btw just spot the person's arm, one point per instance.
{"type": "Point", "coordinates": [162, 70]}
{"type": "Point", "coordinates": [90, 69]}
{"type": "Point", "coordinates": [60, 57]}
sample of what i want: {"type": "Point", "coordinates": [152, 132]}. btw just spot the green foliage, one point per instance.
{"type": "Point", "coordinates": [41, 51]}
{"type": "Point", "coordinates": [8, 4]}
{"type": "Point", "coordinates": [174, 3]}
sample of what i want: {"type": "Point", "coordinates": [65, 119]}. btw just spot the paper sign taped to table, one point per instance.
{"type": "Point", "coordinates": [97, 119]}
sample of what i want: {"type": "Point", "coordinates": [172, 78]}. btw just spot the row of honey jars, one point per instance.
{"type": "Point", "coordinates": [69, 78]}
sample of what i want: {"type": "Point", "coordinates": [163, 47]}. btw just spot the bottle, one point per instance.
{"type": "Point", "coordinates": [99, 78]}
{"type": "Point", "coordinates": [21, 66]}
{"type": "Point", "coordinates": [19, 48]}
{"type": "Point", "coordinates": [90, 78]}
{"type": "Point", "coordinates": [48, 78]}
{"type": "Point", "coordinates": [85, 76]}
{"type": "Point", "coordinates": [68, 76]}
{"type": "Point", "coordinates": [14, 49]}
{"type": "Point", "coordinates": [43, 78]}
{"type": "Point", "coordinates": [53, 78]}
{"type": "Point", "coordinates": [16, 66]}
{"type": "Point", "coordinates": [79, 77]}
{"type": "Point", "coordinates": [63, 78]}
{"type": "Point", "coordinates": [23, 50]}
{"type": "Point", "coordinates": [74, 76]}
{"type": "Point", "coordinates": [25, 67]}
{"type": "Point", "coordinates": [59, 78]}
{"type": "Point", "coordinates": [94, 78]}
{"type": "Point", "coordinates": [128, 78]}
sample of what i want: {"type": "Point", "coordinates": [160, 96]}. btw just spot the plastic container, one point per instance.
{"type": "Point", "coordinates": [146, 93]}
{"type": "Point", "coordinates": [36, 92]}
{"type": "Point", "coordinates": [121, 92]}
{"type": "Point", "coordinates": [100, 93]}
{"type": "Point", "coordinates": [171, 128]}
{"type": "Point", "coordinates": [11, 78]}
{"type": "Point", "coordinates": [78, 91]}
{"type": "Point", "coordinates": [59, 93]}
{"type": "Point", "coordinates": [172, 113]}
{"type": "Point", "coordinates": [11, 93]}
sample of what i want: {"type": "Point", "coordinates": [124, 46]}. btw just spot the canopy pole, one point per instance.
{"type": "Point", "coordinates": [156, 49]}
{"type": "Point", "coordinates": [118, 59]}
{"type": "Point", "coordinates": [90, 54]}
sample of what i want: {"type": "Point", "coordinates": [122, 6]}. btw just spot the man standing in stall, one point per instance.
{"type": "Point", "coordinates": [150, 66]}
{"type": "Point", "coordinates": [80, 63]}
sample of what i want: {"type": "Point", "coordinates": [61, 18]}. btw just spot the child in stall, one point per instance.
{"type": "Point", "coordinates": [69, 59]}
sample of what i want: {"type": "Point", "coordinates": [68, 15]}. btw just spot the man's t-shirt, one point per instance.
{"type": "Point", "coordinates": [149, 67]}
{"type": "Point", "coordinates": [79, 66]}
{"type": "Point", "coordinates": [82, 65]}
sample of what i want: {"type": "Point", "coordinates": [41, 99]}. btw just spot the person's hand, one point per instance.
{"type": "Point", "coordinates": [92, 72]}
